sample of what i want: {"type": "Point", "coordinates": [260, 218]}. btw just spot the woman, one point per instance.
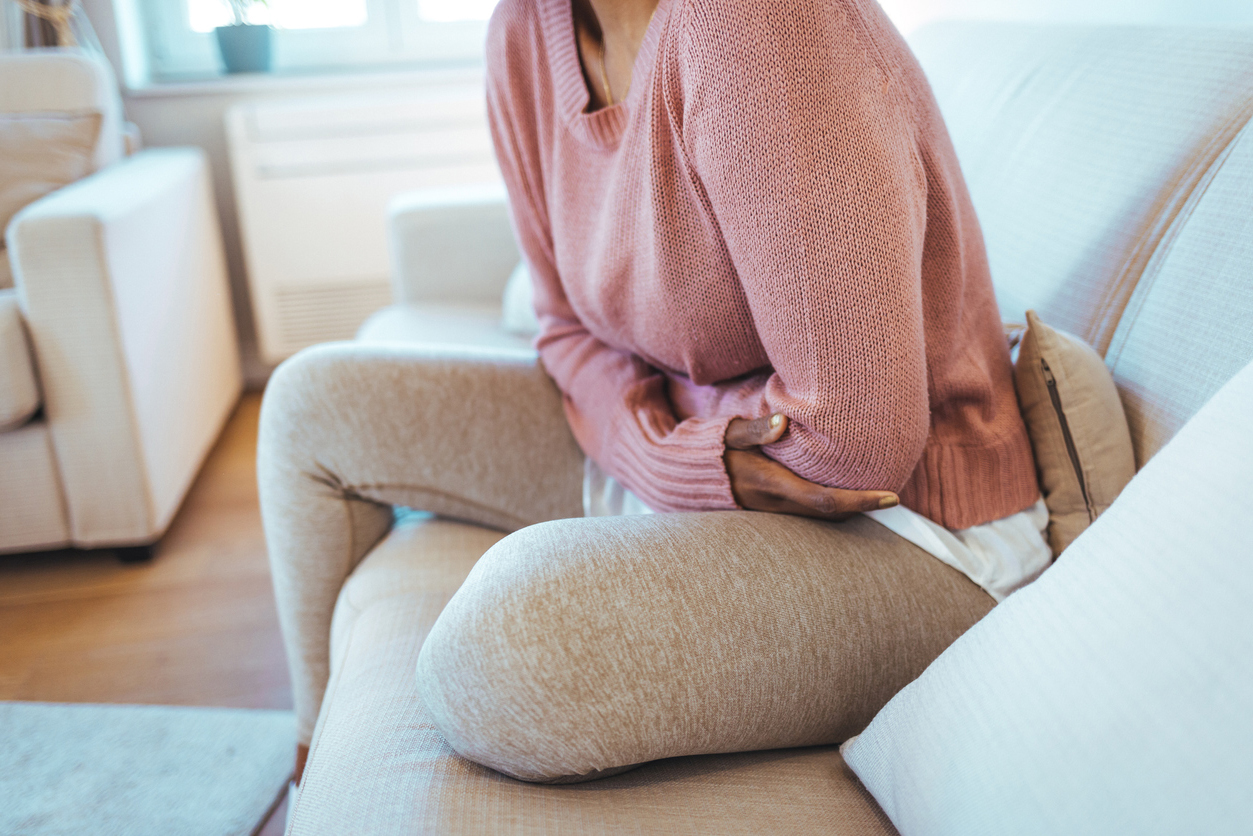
{"type": "Point", "coordinates": [760, 283]}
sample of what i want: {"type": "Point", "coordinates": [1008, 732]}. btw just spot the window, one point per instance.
{"type": "Point", "coordinates": [205, 15]}
{"type": "Point", "coordinates": [321, 34]}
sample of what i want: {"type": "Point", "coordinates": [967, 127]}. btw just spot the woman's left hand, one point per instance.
{"type": "Point", "coordinates": [762, 484]}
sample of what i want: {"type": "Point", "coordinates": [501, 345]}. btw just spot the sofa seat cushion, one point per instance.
{"type": "Point", "coordinates": [31, 507]}
{"type": "Point", "coordinates": [422, 555]}
{"type": "Point", "coordinates": [442, 324]}
{"type": "Point", "coordinates": [19, 393]}
{"type": "Point", "coordinates": [379, 766]}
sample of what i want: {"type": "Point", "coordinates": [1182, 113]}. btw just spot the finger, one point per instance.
{"type": "Point", "coordinates": [813, 500]}
{"type": "Point", "coordinates": [744, 433]}
{"type": "Point", "coordinates": [769, 486]}
{"type": "Point", "coordinates": [840, 501]}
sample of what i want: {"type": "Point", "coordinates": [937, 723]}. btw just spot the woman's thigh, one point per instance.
{"type": "Point", "coordinates": [580, 647]}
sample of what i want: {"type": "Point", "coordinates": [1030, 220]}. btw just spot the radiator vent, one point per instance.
{"type": "Point", "coordinates": [313, 179]}
{"type": "Point", "coordinates": [309, 314]}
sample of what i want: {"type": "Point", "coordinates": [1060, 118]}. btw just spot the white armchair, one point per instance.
{"type": "Point", "coordinates": [118, 358]}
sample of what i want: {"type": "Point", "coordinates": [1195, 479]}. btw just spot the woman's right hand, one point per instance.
{"type": "Point", "coordinates": [762, 484]}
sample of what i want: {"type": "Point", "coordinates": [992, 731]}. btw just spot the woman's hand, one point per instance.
{"type": "Point", "coordinates": [762, 484]}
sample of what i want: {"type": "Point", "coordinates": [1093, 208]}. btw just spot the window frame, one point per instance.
{"type": "Point", "coordinates": [393, 35]}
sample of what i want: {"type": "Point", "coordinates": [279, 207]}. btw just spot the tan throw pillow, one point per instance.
{"type": "Point", "coordinates": [40, 153]}
{"type": "Point", "coordinates": [1078, 430]}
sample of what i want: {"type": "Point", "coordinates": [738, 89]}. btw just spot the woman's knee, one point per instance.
{"type": "Point", "coordinates": [502, 671]}
{"type": "Point", "coordinates": [585, 646]}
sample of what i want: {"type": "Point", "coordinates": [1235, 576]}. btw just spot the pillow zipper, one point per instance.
{"type": "Point", "coordinates": [1055, 397]}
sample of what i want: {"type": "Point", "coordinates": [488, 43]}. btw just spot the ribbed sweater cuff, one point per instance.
{"type": "Point", "coordinates": [960, 487]}
{"type": "Point", "coordinates": [685, 470]}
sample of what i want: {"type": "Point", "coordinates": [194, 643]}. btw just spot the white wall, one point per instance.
{"type": "Point", "coordinates": [192, 114]}
{"type": "Point", "coordinates": [910, 14]}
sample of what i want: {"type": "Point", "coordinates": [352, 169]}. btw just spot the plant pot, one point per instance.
{"type": "Point", "coordinates": [245, 48]}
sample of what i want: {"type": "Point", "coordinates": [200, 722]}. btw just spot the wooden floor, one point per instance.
{"type": "Point", "coordinates": [196, 626]}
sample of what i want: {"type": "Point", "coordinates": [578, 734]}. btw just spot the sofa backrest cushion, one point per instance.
{"type": "Point", "coordinates": [1079, 144]}
{"type": "Point", "coordinates": [60, 80]}
{"type": "Point", "coordinates": [1188, 327]}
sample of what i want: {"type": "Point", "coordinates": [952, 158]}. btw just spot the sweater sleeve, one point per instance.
{"type": "Point", "coordinates": [616, 404]}
{"type": "Point", "coordinates": [810, 165]}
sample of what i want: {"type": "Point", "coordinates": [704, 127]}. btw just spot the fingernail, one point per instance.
{"type": "Point", "coordinates": [775, 420]}
{"type": "Point", "coordinates": [889, 502]}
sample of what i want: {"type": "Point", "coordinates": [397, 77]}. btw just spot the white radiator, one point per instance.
{"type": "Point", "coordinates": [313, 177]}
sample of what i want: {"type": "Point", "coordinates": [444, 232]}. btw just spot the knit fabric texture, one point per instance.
{"type": "Point", "coordinates": [773, 220]}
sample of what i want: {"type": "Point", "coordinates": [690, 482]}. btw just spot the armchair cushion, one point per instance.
{"type": "Point", "coordinates": [32, 515]}
{"type": "Point", "coordinates": [1113, 694]}
{"type": "Point", "coordinates": [40, 153]}
{"type": "Point", "coordinates": [69, 80]}
{"type": "Point", "coordinates": [19, 394]}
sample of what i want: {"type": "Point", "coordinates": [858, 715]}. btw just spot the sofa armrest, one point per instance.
{"type": "Point", "coordinates": [122, 282]}
{"type": "Point", "coordinates": [451, 245]}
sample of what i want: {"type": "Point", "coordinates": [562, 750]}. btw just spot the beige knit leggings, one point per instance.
{"type": "Point", "coordinates": [579, 647]}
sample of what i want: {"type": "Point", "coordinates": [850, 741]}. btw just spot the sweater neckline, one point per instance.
{"type": "Point", "coordinates": [601, 128]}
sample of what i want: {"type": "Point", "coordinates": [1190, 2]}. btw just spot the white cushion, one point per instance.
{"type": "Point", "coordinates": [40, 153]}
{"type": "Point", "coordinates": [1114, 694]}
{"type": "Point", "coordinates": [1079, 145]}
{"type": "Point", "coordinates": [518, 306]}
{"type": "Point", "coordinates": [1187, 328]}
{"type": "Point", "coordinates": [19, 393]}
{"type": "Point", "coordinates": [54, 80]}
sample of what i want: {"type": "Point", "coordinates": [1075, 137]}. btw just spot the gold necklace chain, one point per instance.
{"type": "Point", "coordinates": [604, 75]}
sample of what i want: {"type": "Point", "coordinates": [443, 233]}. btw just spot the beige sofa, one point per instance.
{"type": "Point", "coordinates": [1113, 173]}
{"type": "Point", "coordinates": [118, 359]}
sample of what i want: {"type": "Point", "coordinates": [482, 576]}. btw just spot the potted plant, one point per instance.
{"type": "Point", "coordinates": [245, 46]}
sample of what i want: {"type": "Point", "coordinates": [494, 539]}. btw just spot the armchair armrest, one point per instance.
{"type": "Point", "coordinates": [451, 245]}
{"type": "Point", "coordinates": [122, 283]}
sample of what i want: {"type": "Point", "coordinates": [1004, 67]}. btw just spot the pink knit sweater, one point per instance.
{"type": "Point", "coordinates": [773, 221]}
